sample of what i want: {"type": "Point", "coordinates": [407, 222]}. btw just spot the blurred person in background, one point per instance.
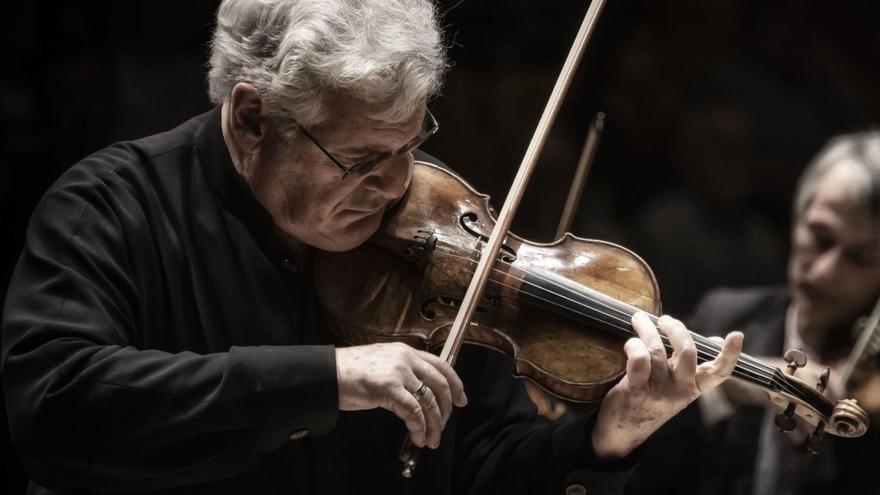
{"type": "Point", "coordinates": [733, 445]}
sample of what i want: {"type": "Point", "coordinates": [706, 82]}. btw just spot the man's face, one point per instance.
{"type": "Point", "coordinates": [305, 192]}
{"type": "Point", "coordinates": [834, 269]}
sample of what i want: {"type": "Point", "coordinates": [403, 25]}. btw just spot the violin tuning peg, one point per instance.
{"type": "Point", "coordinates": [814, 440]}
{"type": "Point", "coordinates": [795, 359]}
{"type": "Point", "coordinates": [785, 420]}
{"type": "Point", "coordinates": [822, 384]}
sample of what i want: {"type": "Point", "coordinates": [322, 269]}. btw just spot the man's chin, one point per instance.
{"type": "Point", "coordinates": [816, 326]}
{"type": "Point", "coordinates": [351, 235]}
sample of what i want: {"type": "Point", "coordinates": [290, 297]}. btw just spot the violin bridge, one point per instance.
{"type": "Point", "coordinates": [425, 242]}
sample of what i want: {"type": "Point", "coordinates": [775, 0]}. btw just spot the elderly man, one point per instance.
{"type": "Point", "coordinates": [161, 332]}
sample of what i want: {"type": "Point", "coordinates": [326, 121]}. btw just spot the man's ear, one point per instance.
{"type": "Point", "coordinates": [246, 117]}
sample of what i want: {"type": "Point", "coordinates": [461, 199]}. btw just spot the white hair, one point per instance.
{"type": "Point", "coordinates": [298, 53]}
{"type": "Point", "coordinates": [861, 151]}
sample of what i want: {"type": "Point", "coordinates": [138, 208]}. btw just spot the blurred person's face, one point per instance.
{"type": "Point", "coordinates": [834, 269]}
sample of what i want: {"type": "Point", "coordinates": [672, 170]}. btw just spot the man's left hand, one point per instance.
{"type": "Point", "coordinates": [656, 386]}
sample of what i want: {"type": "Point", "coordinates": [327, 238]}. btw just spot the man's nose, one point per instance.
{"type": "Point", "coordinates": [389, 179]}
{"type": "Point", "coordinates": [825, 267]}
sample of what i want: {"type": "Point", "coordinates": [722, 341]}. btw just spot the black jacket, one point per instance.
{"type": "Point", "coordinates": [157, 337]}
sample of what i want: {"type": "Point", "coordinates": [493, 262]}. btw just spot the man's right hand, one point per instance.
{"type": "Point", "coordinates": [389, 375]}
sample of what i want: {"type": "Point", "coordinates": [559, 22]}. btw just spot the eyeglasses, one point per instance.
{"type": "Point", "coordinates": [429, 128]}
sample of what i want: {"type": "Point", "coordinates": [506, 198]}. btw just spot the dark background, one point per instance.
{"type": "Point", "coordinates": [713, 109]}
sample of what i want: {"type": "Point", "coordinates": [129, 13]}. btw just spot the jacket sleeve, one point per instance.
{"type": "Point", "coordinates": [87, 408]}
{"type": "Point", "coordinates": [503, 449]}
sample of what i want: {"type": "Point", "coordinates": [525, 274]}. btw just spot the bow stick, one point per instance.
{"type": "Point", "coordinates": [581, 173]}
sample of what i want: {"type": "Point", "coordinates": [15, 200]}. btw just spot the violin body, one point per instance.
{"type": "Point", "coordinates": [406, 283]}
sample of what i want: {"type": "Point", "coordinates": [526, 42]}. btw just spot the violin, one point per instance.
{"type": "Point", "coordinates": [561, 310]}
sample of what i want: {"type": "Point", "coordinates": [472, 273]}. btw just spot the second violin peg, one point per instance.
{"type": "Point", "coordinates": [822, 384]}
{"type": "Point", "coordinates": [785, 420]}
{"type": "Point", "coordinates": [795, 359]}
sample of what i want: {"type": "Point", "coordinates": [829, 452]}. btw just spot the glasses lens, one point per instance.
{"type": "Point", "coordinates": [369, 165]}
{"type": "Point", "coordinates": [429, 127]}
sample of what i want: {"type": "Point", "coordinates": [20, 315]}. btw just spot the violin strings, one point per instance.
{"type": "Point", "coordinates": [744, 371]}
{"type": "Point", "coordinates": [701, 353]}
{"type": "Point", "coordinates": [698, 339]}
{"type": "Point", "coordinates": [626, 329]}
{"type": "Point", "coordinates": [745, 363]}
{"type": "Point", "coordinates": [758, 369]}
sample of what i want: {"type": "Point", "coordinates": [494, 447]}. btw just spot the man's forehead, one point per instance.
{"type": "Point", "coordinates": [343, 107]}
{"type": "Point", "coordinates": [842, 190]}
{"type": "Point", "coordinates": [354, 126]}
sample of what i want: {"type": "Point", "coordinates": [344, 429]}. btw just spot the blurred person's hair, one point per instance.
{"type": "Point", "coordinates": [861, 151]}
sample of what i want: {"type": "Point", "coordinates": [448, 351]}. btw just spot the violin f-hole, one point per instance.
{"type": "Point", "coordinates": [508, 254]}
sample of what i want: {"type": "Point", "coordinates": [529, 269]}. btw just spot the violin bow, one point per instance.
{"type": "Point", "coordinates": [409, 452]}
{"type": "Point", "coordinates": [585, 162]}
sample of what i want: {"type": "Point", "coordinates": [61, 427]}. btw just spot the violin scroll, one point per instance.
{"type": "Point", "coordinates": [848, 419]}
{"type": "Point", "coordinates": [796, 398]}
